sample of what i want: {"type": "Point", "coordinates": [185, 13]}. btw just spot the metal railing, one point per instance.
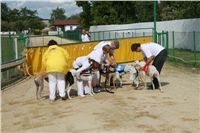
{"type": "Point", "coordinates": [183, 47]}
{"type": "Point", "coordinates": [123, 33]}
{"type": "Point", "coordinates": [12, 55]}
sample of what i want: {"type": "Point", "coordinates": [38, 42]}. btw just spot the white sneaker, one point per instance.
{"type": "Point", "coordinates": [82, 95]}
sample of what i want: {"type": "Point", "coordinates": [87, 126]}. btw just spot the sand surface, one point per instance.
{"type": "Point", "coordinates": [127, 110]}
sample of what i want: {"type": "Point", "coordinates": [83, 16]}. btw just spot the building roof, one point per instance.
{"type": "Point", "coordinates": [59, 22]}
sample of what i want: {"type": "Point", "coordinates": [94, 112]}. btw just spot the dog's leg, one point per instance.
{"type": "Point", "coordinates": [68, 90]}
{"type": "Point", "coordinates": [152, 83]}
{"type": "Point", "coordinates": [90, 87]}
{"type": "Point", "coordinates": [41, 88]}
{"type": "Point", "coordinates": [160, 87]}
{"type": "Point", "coordinates": [37, 88]}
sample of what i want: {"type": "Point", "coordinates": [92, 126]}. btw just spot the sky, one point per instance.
{"type": "Point", "coordinates": [44, 7]}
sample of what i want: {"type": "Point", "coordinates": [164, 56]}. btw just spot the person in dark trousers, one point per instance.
{"type": "Point", "coordinates": [152, 52]}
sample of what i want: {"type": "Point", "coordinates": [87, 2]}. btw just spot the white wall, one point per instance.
{"type": "Point", "coordinates": [70, 27]}
{"type": "Point", "coordinates": [183, 31]}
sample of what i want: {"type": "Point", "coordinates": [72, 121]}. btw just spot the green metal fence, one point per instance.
{"type": "Point", "coordinates": [123, 33]}
{"type": "Point", "coordinates": [12, 50]}
{"type": "Point", "coordinates": [183, 47]}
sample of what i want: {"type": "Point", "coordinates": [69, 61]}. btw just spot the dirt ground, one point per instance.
{"type": "Point", "coordinates": [127, 110]}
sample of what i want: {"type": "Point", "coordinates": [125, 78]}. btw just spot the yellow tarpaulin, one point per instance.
{"type": "Point", "coordinates": [123, 54]}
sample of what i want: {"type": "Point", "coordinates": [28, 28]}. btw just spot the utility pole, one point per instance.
{"type": "Point", "coordinates": [155, 32]}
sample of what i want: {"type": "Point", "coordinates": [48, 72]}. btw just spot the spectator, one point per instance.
{"type": "Point", "coordinates": [151, 52]}
{"type": "Point", "coordinates": [85, 36]}
{"type": "Point", "coordinates": [55, 64]}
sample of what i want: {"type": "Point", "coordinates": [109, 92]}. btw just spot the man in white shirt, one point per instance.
{"type": "Point", "coordinates": [84, 64]}
{"type": "Point", "coordinates": [152, 52]}
{"type": "Point", "coordinates": [113, 45]}
{"type": "Point", "coordinates": [107, 47]}
{"type": "Point", "coordinates": [85, 37]}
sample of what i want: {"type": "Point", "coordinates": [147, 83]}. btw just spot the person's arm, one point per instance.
{"type": "Point", "coordinates": [148, 58]}
{"type": "Point", "coordinates": [85, 66]}
{"type": "Point", "coordinates": [112, 57]}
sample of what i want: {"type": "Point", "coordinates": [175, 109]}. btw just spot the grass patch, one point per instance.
{"type": "Point", "coordinates": [185, 57]}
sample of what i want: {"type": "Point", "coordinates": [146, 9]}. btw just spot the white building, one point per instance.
{"type": "Point", "coordinates": [66, 24]}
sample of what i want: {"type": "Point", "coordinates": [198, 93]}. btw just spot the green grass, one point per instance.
{"type": "Point", "coordinates": [185, 57]}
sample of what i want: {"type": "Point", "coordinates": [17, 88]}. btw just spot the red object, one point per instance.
{"type": "Point", "coordinates": [146, 67]}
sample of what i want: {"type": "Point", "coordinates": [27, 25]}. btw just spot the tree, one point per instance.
{"type": "Point", "coordinates": [86, 16]}
{"type": "Point", "coordinates": [19, 19]}
{"type": "Point", "coordinates": [4, 12]}
{"type": "Point", "coordinates": [58, 13]}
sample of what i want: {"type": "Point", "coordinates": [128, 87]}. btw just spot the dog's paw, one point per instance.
{"type": "Point", "coordinates": [161, 90]}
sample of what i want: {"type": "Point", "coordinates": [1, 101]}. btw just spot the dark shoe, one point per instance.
{"type": "Point", "coordinates": [63, 98]}
{"type": "Point", "coordinates": [96, 90]}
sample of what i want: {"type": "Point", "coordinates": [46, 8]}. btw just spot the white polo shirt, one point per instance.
{"type": "Point", "coordinates": [85, 38]}
{"type": "Point", "coordinates": [96, 55]}
{"type": "Point", "coordinates": [102, 44]}
{"type": "Point", "coordinates": [81, 63]}
{"type": "Point", "coordinates": [151, 49]}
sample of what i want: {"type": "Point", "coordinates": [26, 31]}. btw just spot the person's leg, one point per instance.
{"type": "Point", "coordinates": [80, 87]}
{"type": "Point", "coordinates": [158, 63]}
{"type": "Point", "coordinates": [61, 84]}
{"type": "Point", "coordinates": [96, 82]}
{"type": "Point", "coordinates": [87, 83]}
{"type": "Point", "coordinates": [52, 85]}
{"type": "Point", "coordinates": [160, 60]}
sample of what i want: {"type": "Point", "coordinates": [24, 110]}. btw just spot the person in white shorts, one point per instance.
{"type": "Point", "coordinates": [83, 66]}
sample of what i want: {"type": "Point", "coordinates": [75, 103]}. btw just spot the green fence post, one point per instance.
{"type": "Point", "coordinates": [115, 35]}
{"type": "Point", "coordinates": [143, 34]}
{"type": "Point", "coordinates": [103, 35]}
{"type": "Point", "coordinates": [173, 44]}
{"type": "Point", "coordinates": [109, 34]}
{"type": "Point", "coordinates": [99, 36]}
{"type": "Point", "coordinates": [167, 41]}
{"type": "Point", "coordinates": [162, 35]}
{"type": "Point", "coordinates": [194, 48]}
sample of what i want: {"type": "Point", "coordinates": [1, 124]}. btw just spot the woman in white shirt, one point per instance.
{"type": "Point", "coordinates": [152, 52]}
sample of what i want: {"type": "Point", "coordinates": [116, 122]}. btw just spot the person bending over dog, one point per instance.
{"type": "Point", "coordinates": [151, 52]}
{"type": "Point", "coordinates": [107, 47]}
{"type": "Point", "coordinates": [84, 66]}
{"type": "Point", "coordinates": [55, 65]}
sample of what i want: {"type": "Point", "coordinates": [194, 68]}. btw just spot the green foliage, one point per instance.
{"type": "Point", "coordinates": [58, 13]}
{"type": "Point", "coordinates": [18, 20]}
{"type": "Point", "coordinates": [86, 17]}
{"type": "Point", "coordinates": [122, 12]}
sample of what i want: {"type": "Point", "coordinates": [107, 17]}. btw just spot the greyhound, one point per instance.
{"type": "Point", "coordinates": [152, 72]}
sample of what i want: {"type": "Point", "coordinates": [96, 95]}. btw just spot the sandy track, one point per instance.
{"type": "Point", "coordinates": [128, 110]}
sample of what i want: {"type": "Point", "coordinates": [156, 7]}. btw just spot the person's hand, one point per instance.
{"type": "Point", "coordinates": [78, 76]}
